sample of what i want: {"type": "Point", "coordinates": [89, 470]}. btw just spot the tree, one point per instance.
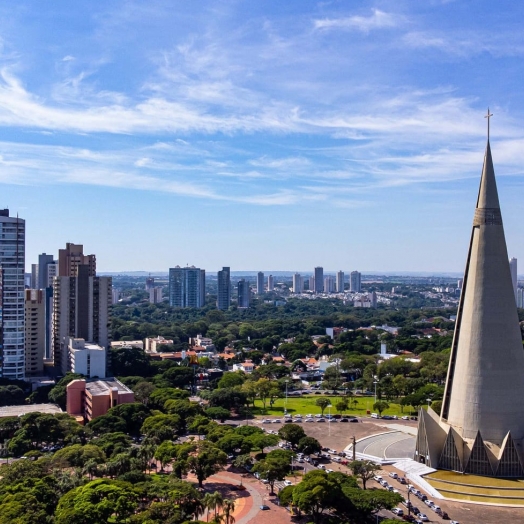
{"type": "Point", "coordinates": [364, 470]}
{"type": "Point", "coordinates": [160, 396]}
{"type": "Point", "coordinates": [263, 389]}
{"type": "Point", "coordinates": [227, 398]}
{"type": "Point", "coordinates": [380, 406]}
{"type": "Point", "coordinates": [262, 440]}
{"type": "Point", "coordinates": [323, 403]}
{"type": "Point", "coordinates": [107, 423]}
{"type": "Point", "coordinates": [242, 461]}
{"type": "Point", "coordinates": [232, 441]}
{"type": "Point", "coordinates": [342, 405]}
{"type": "Point", "coordinates": [228, 506]}
{"type": "Point", "coordinates": [272, 468]}
{"type": "Point", "coordinates": [317, 493]}
{"type": "Point", "coordinates": [133, 414]}
{"type": "Point", "coordinates": [207, 461]}
{"type": "Point", "coordinates": [165, 453]}
{"type": "Point", "coordinates": [77, 455]}
{"type": "Point", "coordinates": [309, 445]}
{"type": "Point", "coordinates": [113, 443]}
{"type": "Point", "coordinates": [292, 433]}
{"type": "Point", "coordinates": [128, 361]}
{"type": "Point", "coordinates": [217, 413]}
{"type": "Point", "coordinates": [162, 427]}
{"type": "Point", "coordinates": [11, 395]}
{"type": "Point", "coordinates": [143, 391]}
{"type": "Point", "coordinates": [231, 379]}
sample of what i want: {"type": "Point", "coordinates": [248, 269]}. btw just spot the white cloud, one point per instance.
{"type": "Point", "coordinates": [377, 20]}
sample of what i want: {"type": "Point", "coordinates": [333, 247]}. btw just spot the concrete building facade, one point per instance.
{"type": "Point", "coordinates": [35, 331]}
{"type": "Point", "coordinates": [224, 288]}
{"type": "Point", "coordinates": [81, 309]}
{"type": "Point", "coordinates": [355, 282]}
{"type": "Point", "coordinates": [260, 283]}
{"type": "Point", "coordinates": [12, 298]}
{"type": "Point", "coordinates": [481, 427]}
{"type": "Point", "coordinates": [88, 399]}
{"type": "Point", "coordinates": [340, 282]}
{"type": "Point", "coordinates": [319, 279]}
{"type": "Point", "coordinates": [244, 293]}
{"type": "Point", "coordinates": [86, 358]}
{"type": "Point", "coordinates": [298, 283]}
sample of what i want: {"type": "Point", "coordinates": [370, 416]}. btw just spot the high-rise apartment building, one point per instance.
{"type": "Point", "coordinates": [244, 293]}
{"type": "Point", "coordinates": [34, 276]}
{"type": "Point", "coordinates": [150, 283]}
{"type": "Point", "coordinates": [260, 283]}
{"type": "Point", "coordinates": [340, 282]}
{"type": "Point", "coordinates": [319, 279]}
{"type": "Point", "coordinates": [298, 283]}
{"type": "Point", "coordinates": [270, 283]}
{"type": "Point", "coordinates": [44, 261]}
{"type": "Point", "coordinates": [35, 331]}
{"type": "Point", "coordinates": [70, 258]}
{"type": "Point", "coordinates": [355, 283]}
{"type": "Point", "coordinates": [520, 297]}
{"type": "Point", "coordinates": [156, 295]}
{"type": "Point", "coordinates": [329, 284]}
{"type": "Point", "coordinates": [311, 282]}
{"type": "Point", "coordinates": [513, 270]}
{"type": "Point", "coordinates": [81, 309]}
{"type": "Point", "coordinates": [224, 288]}
{"type": "Point", "coordinates": [185, 287]}
{"type": "Point", "coordinates": [12, 299]}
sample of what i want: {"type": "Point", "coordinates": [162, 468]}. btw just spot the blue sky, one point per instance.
{"type": "Point", "coordinates": [260, 134]}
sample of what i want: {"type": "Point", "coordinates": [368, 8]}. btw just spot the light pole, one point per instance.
{"type": "Point", "coordinates": [285, 405]}
{"type": "Point", "coordinates": [329, 419]}
{"type": "Point", "coordinates": [429, 401]}
{"type": "Point", "coordinates": [375, 381]}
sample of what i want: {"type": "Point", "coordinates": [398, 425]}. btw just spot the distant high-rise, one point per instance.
{"type": "Point", "coordinates": [35, 331]}
{"type": "Point", "coordinates": [155, 295]}
{"type": "Point", "coordinates": [73, 256]}
{"type": "Point", "coordinates": [185, 287]}
{"type": "Point", "coordinates": [513, 270]}
{"type": "Point", "coordinates": [81, 309]}
{"type": "Point", "coordinates": [460, 283]}
{"type": "Point", "coordinates": [270, 283]}
{"type": "Point", "coordinates": [44, 261]}
{"type": "Point", "coordinates": [319, 279]}
{"type": "Point", "coordinates": [340, 282]}
{"type": "Point", "coordinates": [150, 282]}
{"type": "Point", "coordinates": [34, 276]}
{"type": "Point", "coordinates": [12, 300]}
{"type": "Point", "coordinates": [224, 288]}
{"type": "Point", "coordinates": [329, 284]}
{"type": "Point", "coordinates": [355, 285]}
{"type": "Point", "coordinates": [260, 283]}
{"type": "Point", "coordinates": [311, 282]}
{"type": "Point", "coordinates": [203, 287]}
{"type": "Point", "coordinates": [298, 283]}
{"type": "Point", "coordinates": [520, 297]}
{"type": "Point", "coordinates": [244, 293]}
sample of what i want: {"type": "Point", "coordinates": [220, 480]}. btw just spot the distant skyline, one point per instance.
{"type": "Point", "coordinates": [260, 134]}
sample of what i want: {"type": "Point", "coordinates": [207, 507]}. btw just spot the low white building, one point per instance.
{"type": "Point", "coordinates": [86, 358]}
{"type": "Point", "coordinates": [153, 343]}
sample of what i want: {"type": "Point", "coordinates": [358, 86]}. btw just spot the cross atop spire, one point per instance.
{"type": "Point", "coordinates": [488, 116]}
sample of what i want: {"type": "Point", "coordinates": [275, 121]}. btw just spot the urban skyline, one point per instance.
{"type": "Point", "coordinates": [257, 135]}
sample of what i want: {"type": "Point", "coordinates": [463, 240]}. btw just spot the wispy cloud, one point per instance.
{"type": "Point", "coordinates": [377, 20]}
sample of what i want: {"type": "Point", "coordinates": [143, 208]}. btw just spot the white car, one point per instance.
{"type": "Point", "coordinates": [405, 417]}
{"type": "Point", "coordinates": [277, 421]}
{"type": "Point", "coordinates": [423, 517]}
{"type": "Point", "coordinates": [429, 503]}
{"type": "Point", "coordinates": [266, 421]}
{"type": "Point", "coordinates": [318, 415]}
{"type": "Point", "coordinates": [288, 483]}
{"type": "Point", "coordinates": [321, 420]}
{"type": "Point", "coordinates": [309, 416]}
{"type": "Point", "coordinates": [454, 522]}
{"type": "Point", "coordinates": [321, 466]}
{"type": "Point", "coordinates": [393, 475]}
{"type": "Point", "coordinates": [398, 511]}
{"type": "Point", "coordinates": [310, 420]}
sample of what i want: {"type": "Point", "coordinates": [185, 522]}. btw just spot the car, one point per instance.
{"type": "Point", "coordinates": [307, 459]}
{"type": "Point", "coordinates": [402, 480]}
{"type": "Point", "coordinates": [423, 517]}
{"type": "Point", "coordinates": [353, 420]}
{"type": "Point", "coordinates": [288, 420]}
{"type": "Point", "coordinates": [329, 471]}
{"type": "Point", "coordinates": [344, 419]}
{"type": "Point", "coordinates": [266, 421]}
{"type": "Point", "coordinates": [337, 416]}
{"type": "Point", "coordinates": [413, 418]}
{"type": "Point", "coordinates": [394, 417]}
{"type": "Point", "coordinates": [318, 415]}
{"type": "Point", "coordinates": [390, 488]}
{"type": "Point", "coordinates": [436, 508]}
{"type": "Point", "coordinates": [422, 497]}
{"type": "Point", "coordinates": [321, 466]}
{"type": "Point", "coordinates": [429, 503]}
{"type": "Point", "coordinates": [454, 522]}
{"type": "Point", "coordinates": [415, 510]}
{"type": "Point", "coordinates": [297, 421]}
{"type": "Point", "coordinates": [377, 478]}
{"type": "Point", "coordinates": [393, 475]}
{"type": "Point", "coordinates": [309, 416]}
{"type": "Point", "coordinates": [310, 420]}
{"type": "Point", "coordinates": [277, 421]}
{"type": "Point", "coordinates": [321, 420]}
{"type": "Point", "coordinates": [384, 483]}
{"type": "Point", "coordinates": [263, 507]}
{"type": "Point", "coordinates": [314, 463]}
{"type": "Point", "coordinates": [397, 511]}
{"type": "Point", "coordinates": [301, 460]}
{"type": "Point", "coordinates": [288, 483]}
{"type": "Point", "coordinates": [444, 515]}
{"type": "Point", "coordinates": [405, 417]}
{"type": "Point", "coordinates": [333, 451]}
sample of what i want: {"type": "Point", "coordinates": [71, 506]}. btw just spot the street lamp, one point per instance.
{"type": "Point", "coordinates": [429, 401]}
{"type": "Point", "coordinates": [329, 419]}
{"type": "Point", "coordinates": [375, 381]}
{"type": "Point", "coordinates": [285, 405]}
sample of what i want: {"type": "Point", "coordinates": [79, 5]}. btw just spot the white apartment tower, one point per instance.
{"type": "Point", "coordinates": [35, 331]}
{"type": "Point", "coordinates": [270, 283]}
{"type": "Point", "coordinates": [12, 299]}
{"type": "Point", "coordinates": [298, 283]}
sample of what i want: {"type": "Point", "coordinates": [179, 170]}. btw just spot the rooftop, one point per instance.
{"type": "Point", "coordinates": [104, 386]}
{"type": "Point", "coordinates": [18, 411]}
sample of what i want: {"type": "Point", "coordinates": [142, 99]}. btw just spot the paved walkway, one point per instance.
{"type": "Point", "coordinates": [388, 445]}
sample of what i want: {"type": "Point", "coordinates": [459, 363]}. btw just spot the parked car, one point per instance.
{"type": "Point", "coordinates": [393, 475]}
{"type": "Point", "coordinates": [353, 420]}
{"type": "Point", "coordinates": [264, 507]}
{"type": "Point", "coordinates": [288, 483]}
{"type": "Point", "coordinates": [423, 517]}
{"type": "Point", "coordinates": [344, 420]}
{"type": "Point", "coordinates": [397, 511]}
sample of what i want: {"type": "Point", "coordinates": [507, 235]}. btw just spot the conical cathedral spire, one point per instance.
{"type": "Point", "coordinates": [485, 384]}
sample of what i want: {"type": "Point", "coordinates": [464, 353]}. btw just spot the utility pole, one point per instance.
{"type": "Point", "coordinates": [354, 448]}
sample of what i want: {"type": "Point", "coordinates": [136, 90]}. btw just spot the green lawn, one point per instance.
{"type": "Point", "coordinates": [306, 404]}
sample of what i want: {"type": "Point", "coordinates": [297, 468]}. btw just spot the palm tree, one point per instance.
{"type": "Point", "coordinates": [146, 453]}
{"type": "Point", "coordinates": [229, 506]}
{"type": "Point", "coordinates": [218, 501]}
{"type": "Point", "coordinates": [90, 468]}
{"type": "Point", "coordinates": [209, 504]}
